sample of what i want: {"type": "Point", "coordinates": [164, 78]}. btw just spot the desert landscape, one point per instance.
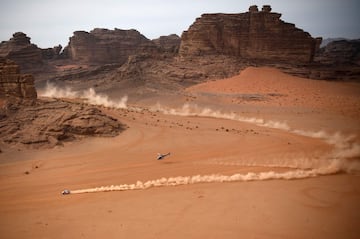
{"type": "Point", "coordinates": [260, 147]}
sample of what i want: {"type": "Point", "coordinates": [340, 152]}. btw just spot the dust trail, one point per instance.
{"type": "Point", "coordinates": [285, 161]}
{"type": "Point", "coordinates": [346, 149]}
{"type": "Point", "coordinates": [343, 158]}
{"type": "Point", "coordinates": [194, 110]}
{"type": "Point", "coordinates": [90, 96]}
{"type": "Point", "coordinates": [215, 178]}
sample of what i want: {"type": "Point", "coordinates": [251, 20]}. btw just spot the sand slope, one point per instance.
{"type": "Point", "coordinates": [31, 205]}
{"type": "Point", "coordinates": [276, 88]}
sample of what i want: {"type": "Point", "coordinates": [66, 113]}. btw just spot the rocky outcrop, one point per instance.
{"type": "Point", "coordinates": [22, 51]}
{"type": "Point", "coordinates": [144, 75]}
{"type": "Point", "coordinates": [255, 35]}
{"type": "Point", "coordinates": [13, 83]}
{"type": "Point", "coordinates": [169, 43]}
{"type": "Point", "coordinates": [47, 123]}
{"type": "Point", "coordinates": [107, 46]}
{"type": "Point", "coordinates": [326, 41]}
{"type": "Point", "coordinates": [26, 121]}
{"type": "Point", "coordinates": [51, 53]}
{"type": "Point", "coordinates": [343, 52]}
{"type": "Point", "coordinates": [338, 60]}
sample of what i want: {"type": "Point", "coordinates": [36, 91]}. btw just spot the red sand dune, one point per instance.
{"type": "Point", "coordinates": [284, 90]}
{"type": "Point", "coordinates": [31, 205]}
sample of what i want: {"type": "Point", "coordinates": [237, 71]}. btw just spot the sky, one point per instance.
{"type": "Point", "coordinates": [52, 22]}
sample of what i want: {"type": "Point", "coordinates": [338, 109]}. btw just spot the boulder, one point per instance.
{"type": "Point", "coordinates": [254, 35]}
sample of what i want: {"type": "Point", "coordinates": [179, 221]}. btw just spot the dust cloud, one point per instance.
{"type": "Point", "coordinates": [89, 95]}
{"type": "Point", "coordinates": [215, 178]}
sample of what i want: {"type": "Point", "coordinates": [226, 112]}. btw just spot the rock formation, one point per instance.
{"type": "Point", "coordinates": [22, 51]}
{"type": "Point", "coordinates": [107, 46]}
{"type": "Point", "coordinates": [26, 121]}
{"type": "Point", "coordinates": [13, 83]}
{"type": "Point", "coordinates": [340, 52]}
{"type": "Point", "coordinates": [338, 60]}
{"type": "Point", "coordinates": [169, 43]}
{"type": "Point", "coordinates": [144, 75]}
{"type": "Point", "coordinates": [256, 35]}
{"type": "Point", "coordinates": [215, 45]}
{"type": "Point", "coordinates": [51, 53]}
{"type": "Point", "coordinates": [47, 123]}
{"type": "Point", "coordinates": [326, 41]}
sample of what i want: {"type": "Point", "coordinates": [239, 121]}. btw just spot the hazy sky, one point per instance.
{"type": "Point", "coordinates": [50, 22]}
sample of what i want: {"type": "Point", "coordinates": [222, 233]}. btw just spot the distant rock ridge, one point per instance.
{"type": "Point", "coordinates": [326, 41]}
{"type": "Point", "coordinates": [256, 35]}
{"type": "Point", "coordinates": [340, 52]}
{"type": "Point", "coordinates": [107, 46]}
{"type": "Point", "coordinates": [15, 84]}
{"type": "Point", "coordinates": [338, 60]}
{"type": "Point", "coordinates": [52, 53]}
{"type": "Point", "coordinates": [170, 43]}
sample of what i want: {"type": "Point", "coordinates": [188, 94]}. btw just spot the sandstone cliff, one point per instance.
{"type": "Point", "coordinates": [255, 35]}
{"type": "Point", "coordinates": [13, 83]}
{"type": "Point", "coordinates": [107, 46]}
{"type": "Point", "coordinates": [22, 51]}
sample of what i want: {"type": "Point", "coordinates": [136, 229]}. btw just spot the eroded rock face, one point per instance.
{"type": "Point", "coordinates": [340, 52]}
{"type": "Point", "coordinates": [107, 46]}
{"type": "Point", "coordinates": [47, 123]}
{"type": "Point", "coordinates": [169, 43]}
{"type": "Point", "coordinates": [338, 60]}
{"type": "Point", "coordinates": [255, 35]}
{"type": "Point", "coordinates": [22, 51]}
{"type": "Point", "coordinates": [144, 73]}
{"type": "Point", "coordinates": [26, 121]}
{"type": "Point", "coordinates": [52, 53]}
{"type": "Point", "coordinates": [15, 84]}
